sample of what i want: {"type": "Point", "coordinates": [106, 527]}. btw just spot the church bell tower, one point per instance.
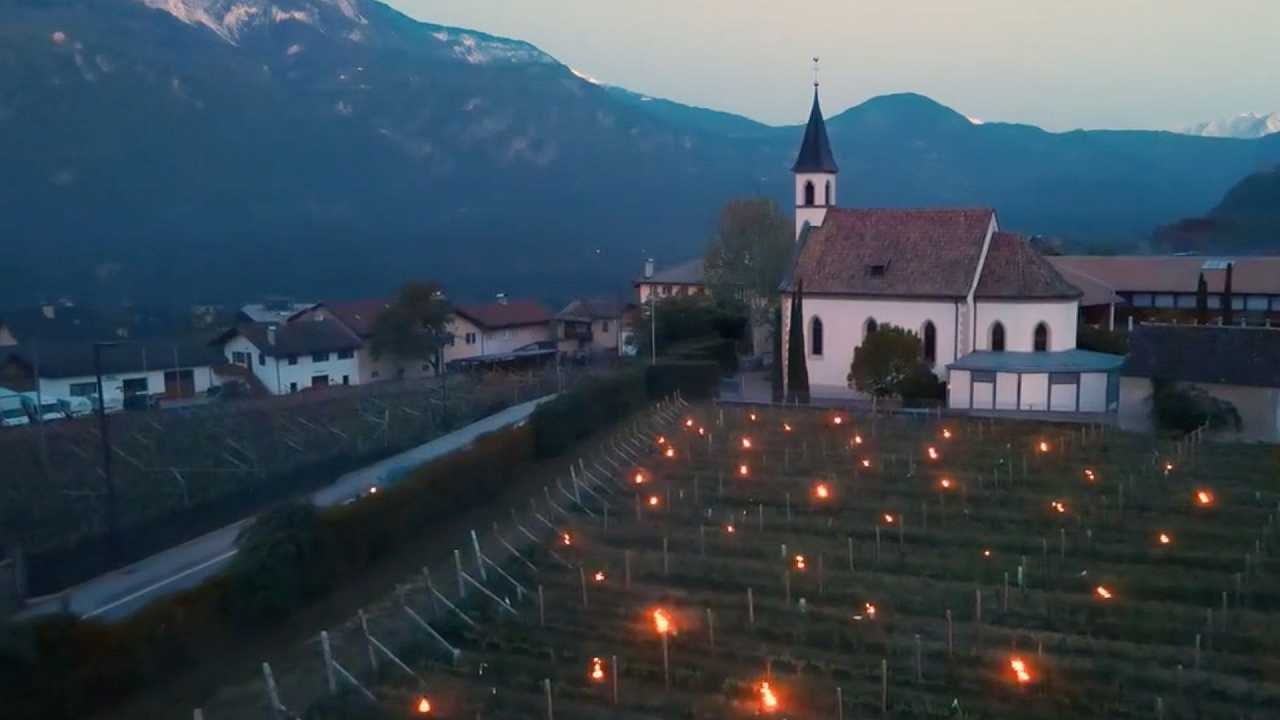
{"type": "Point", "coordinates": [815, 169]}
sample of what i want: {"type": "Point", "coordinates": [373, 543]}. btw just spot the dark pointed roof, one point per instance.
{"type": "Point", "coordinates": [815, 150]}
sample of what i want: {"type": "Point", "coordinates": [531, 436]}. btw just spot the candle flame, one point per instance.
{"type": "Point", "coordinates": [639, 478]}
{"type": "Point", "coordinates": [702, 431]}
{"type": "Point", "coordinates": [424, 706]}
{"type": "Point", "coordinates": [662, 440]}
{"type": "Point", "coordinates": [800, 562]}
{"type": "Point", "coordinates": [1088, 474]}
{"type": "Point", "coordinates": [661, 622]}
{"type": "Point", "coordinates": [857, 439]}
{"type": "Point", "coordinates": [1168, 467]}
{"type": "Point", "coordinates": [1058, 506]}
{"type": "Point", "coordinates": [743, 470]}
{"type": "Point", "coordinates": [671, 452]}
{"type": "Point", "coordinates": [986, 553]}
{"type": "Point", "coordinates": [653, 501]}
{"type": "Point", "coordinates": [767, 697]}
{"type": "Point", "coordinates": [599, 576]}
{"type": "Point", "coordinates": [888, 518]}
{"type": "Point", "coordinates": [752, 416]}
{"type": "Point", "coordinates": [1165, 539]}
{"type": "Point", "coordinates": [945, 483]}
{"type": "Point", "coordinates": [946, 434]}
{"type": "Point", "coordinates": [1020, 670]}
{"type": "Point", "coordinates": [821, 491]}
{"type": "Point", "coordinates": [838, 420]}
{"type": "Point", "coordinates": [933, 453]}
{"type": "Point", "coordinates": [746, 443]}
{"type": "Point", "coordinates": [730, 528]}
{"type": "Point", "coordinates": [786, 427]}
{"type": "Point", "coordinates": [870, 610]}
{"type": "Point", "coordinates": [1204, 497]}
{"type": "Point", "coordinates": [866, 462]}
{"type": "Point", "coordinates": [566, 538]}
{"type": "Point", "coordinates": [1103, 592]}
{"type": "Point", "coordinates": [688, 422]}
{"type": "Point", "coordinates": [597, 669]}
{"type": "Point", "coordinates": [1043, 446]}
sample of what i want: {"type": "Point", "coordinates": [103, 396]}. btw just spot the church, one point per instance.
{"type": "Point", "coordinates": [997, 322]}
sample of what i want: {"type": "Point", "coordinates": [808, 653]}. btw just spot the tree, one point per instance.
{"type": "Point", "coordinates": [797, 370]}
{"type": "Point", "coordinates": [1183, 408]}
{"type": "Point", "coordinates": [747, 256]}
{"type": "Point", "coordinates": [1202, 301]}
{"type": "Point", "coordinates": [883, 361]}
{"type": "Point", "coordinates": [285, 559]}
{"type": "Point", "coordinates": [415, 327]}
{"type": "Point", "coordinates": [1228, 312]}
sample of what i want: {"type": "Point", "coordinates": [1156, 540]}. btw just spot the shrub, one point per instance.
{"type": "Point", "coordinates": [1104, 341]}
{"type": "Point", "coordinates": [694, 379]}
{"type": "Point", "coordinates": [573, 415]}
{"type": "Point", "coordinates": [285, 559]}
{"type": "Point", "coordinates": [884, 360]}
{"type": "Point", "coordinates": [921, 385]}
{"type": "Point", "coordinates": [1184, 408]}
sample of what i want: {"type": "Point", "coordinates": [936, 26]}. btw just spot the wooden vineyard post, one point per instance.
{"type": "Point", "coordinates": [582, 580]}
{"type": "Point", "coordinates": [977, 608]}
{"type": "Point", "coordinates": [666, 567]}
{"type": "Point", "coordinates": [839, 704]}
{"type": "Point", "coordinates": [877, 543]}
{"type": "Point", "coordinates": [786, 583]}
{"type": "Point", "coordinates": [373, 654]}
{"type": "Point", "coordinates": [702, 540]}
{"type": "Point", "coordinates": [330, 677]}
{"type": "Point", "coordinates": [542, 609]}
{"type": "Point", "coordinates": [613, 665]}
{"type": "Point", "coordinates": [821, 572]}
{"type": "Point", "coordinates": [788, 500]}
{"type": "Point", "coordinates": [273, 693]}
{"type": "Point", "coordinates": [1197, 662]}
{"type": "Point", "coordinates": [884, 687]}
{"type": "Point", "coordinates": [546, 690]}
{"type": "Point", "coordinates": [666, 664]}
{"type": "Point", "coordinates": [751, 610]}
{"type": "Point", "coordinates": [850, 542]}
{"type": "Point", "coordinates": [711, 629]}
{"type": "Point", "coordinates": [626, 568]}
{"type": "Point", "coordinates": [760, 512]}
{"type": "Point", "coordinates": [950, 647]}
{"type": "Point", "coordinates": [919, 660]}
{"type": "Point", "coordinates": [1004, 597]}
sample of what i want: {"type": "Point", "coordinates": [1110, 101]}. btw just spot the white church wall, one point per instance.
{"type": "Point", "coordinates": [844, 321]}
{"type": "Point", "coordinates": [816, 213]}
{"type": "Point", "coordinates": [1007, 391]}
{"type": "Point", "coordinates": [1020, 320]}
{"type": "Point", "coordinates": [958, 389]}
{"type": "Point", "coordinates": [1035, 391]}
{"type": "Point", "coordinates": [983, 395]}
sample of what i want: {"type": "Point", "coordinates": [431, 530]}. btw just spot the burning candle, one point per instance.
{"type": "Point", "coordinates": [821, 491]}
{"type": "Point", "coordinates": [1164, 538]}
{"type": "Point", "coordinates": [888, 519]}
{"type": "Point", "coordinates": [932, 452]}
{"type": "Point", "coordinates": [857, 439]}
{"type": "Point", "coordinates": [838, 420]}
{"type": "Point", "coordinates": [786, 427]}
{"type": "Point", "coordinates": [946, 434]}
{"type": "Point", "coordinates": [599, 576]}
{"type": "Point", "coordinates": [1102, 592]}
{"type": "Point", "coordinates": [743, 470]}
{"type": "Point", "coordinates": [1020, 671]}
{"type": "Point", "coordinates": [1058, 506]}
{"type": "Point", "coordinates": [800, 562]}
{"type": "Point", "coordinates": [424, 705]}
{"type": "Point", "coordinates": [730, 528]}
{"type": "Point", "coordinates": [653, 501]}
{"type": "Point", "coordinates": [639, 479]}
{"type": "Point", "coordinates": [688, 422]}
{"type": "Point", "coordinates": [661, 622]}
{"type": "Point", "coordinates": [746, 443]}
{"type": "Point", "coordinates": [597, 669]}
{"type": "Point", "coordinates": [1043, 446]}
{"type": "Point", "coordinates": [671, 452]}
{"type": "Point", "coordinates": [662, 440]}
{"type": "Point", "coordinates": [866, 462]}
{"type": "Point", "coordinates": [768, 700]}
{"type": "Point", "coordinates": [566, 538]}
{"type": "Point", "coordinates": [1204, 497]}
{"type": "Point", "coordinates": [945, 483]}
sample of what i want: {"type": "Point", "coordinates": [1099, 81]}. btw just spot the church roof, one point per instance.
{"type": "Point", "coordinates": [893, 253]}
{"type": "Point", "coordinates": [815, 150]}
{"type": "Point", "coordinates": [1013, 269]}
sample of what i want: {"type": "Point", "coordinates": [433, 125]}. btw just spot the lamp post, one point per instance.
{"type": "Point", "coordinates": [113, 540]}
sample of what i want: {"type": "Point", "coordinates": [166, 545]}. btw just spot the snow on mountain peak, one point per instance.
{"type": "Point", "coordinates": [229, 18]}
{"type": "Point", "coordinates": [1245, 125]}
{"type": "Point", "coordinates": [480, 49]}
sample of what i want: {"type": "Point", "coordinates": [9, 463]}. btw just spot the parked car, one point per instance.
{"type": "Point", "coordinates": [76, 406]}
{"type": "Point", "coordinates": [12, 411]}
{"type": "Point", "coordinates": [41, 408]}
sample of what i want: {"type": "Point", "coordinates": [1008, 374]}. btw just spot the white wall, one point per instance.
{"type": "Point", "coordinates": [496, 342]}
{"type": "Point", "coordinates": [1062, 398]}
{"type": "Point", "coordinates": [1035, 391]}
{"type": "Point", "coordinates": [277, 374]}
{"type": "Point", "coordinates": [1093, 392]}
{"type": "Point", "coordinates": [1020, 320]}
{"type": "Point", "coordinates": [844, 321]}
{"type": "Point", "coordinates": [1007, 391]}
{"type": "Point", "coordinates": [113, 384]}
{"type": "Point", "coordinates": [816, 213]}
{"type": "Point", "coordinates": [958, 389]}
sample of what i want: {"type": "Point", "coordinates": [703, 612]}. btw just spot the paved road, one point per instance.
{"type": "Point", "coordinates": [119, 593]}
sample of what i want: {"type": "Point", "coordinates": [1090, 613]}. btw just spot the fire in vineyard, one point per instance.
{"type": "Point", "coordinates": [1164, 538]}
{"type": "Point", "coordinates": [986, 554]}
{"type": "Point", "coordinates": [1204, 497]}
{"type": "Point", "coordinates": [888, 519]}
{"type": "Point", "coordinates": [838, 420]}
{"type": "Point", "coordinates": [1168, 468]}
{"type": "Point", "coordinates": [800, 562]}
{"type": "Point", "coordinates": [932, 452]}
{"type": "Point", "coordinates": [654, 501]}
{"type": "Point", "coordinates": [730, 529]}
{"type": "Point", "coordinates": [946, 434]}
{"type": "Point", "coordinates": [1043, 446]}
{"type": "Point", "coordinates": [752, 416]}
{"type": "Point", "coordinates": [597, 669]}
{"type": "Point", "coordinates": [786, 427]}
{"type": "Point", "coordinates": [599, 576]}
{"type": "Point", "coordinates": [857, 439]}
{"type": "Point", "coordinates": [566, 538]}
{"type": "Point", "coordinates": [662, 439]}
{"type": "Point", "coordinates": [768, 699]}
{"type": "Point", "coordinates": [639, 479]}
{"type": "Point", "coordinates": [1088, 475]}
{"type": "Point", "coordinates": [661, 622]}
{"type": "Point", "coordinates": [688, 422]}
{"type": "Point", "coordinates": [821, 491]}
{"type": "Point", "coordinates": [866, 462]}
{"type": "Point", "coordinates": [1102, 592]}
{"type": "Point", "coordinates": [671, 452]}
{"type": "Point", "coordinates": [702, 430]}
{"type": "Point", "coordinates": [424, 705]}
{"type": "Point", "coordinates": [746, 443]}
{"type": "Point", "coordinates": [868, 612]}
{"type": "Point", "coordinates": [946, 484]}
{"type": "Point", "coordinates": [1021, 672]}
{"type": "Point", "coordinates": [1058, 506]}
{"type": "Point", "coordinates": [743, 470]}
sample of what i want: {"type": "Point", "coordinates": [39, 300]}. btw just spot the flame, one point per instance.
{"type": "Point", "coordinates": [688, 422]}
{"type": "Point", "coordinates": [1058, 506]}
{"type": "Point", "coordinates": [945, 483]}
{"type": "Point", "coordinates": [800, 562]}
{"type": "Point", "coordinates": [870, 610]}
{"type": "Point", "coordinates": [1168, 467]}
{"type": "Point", "coordinates": [1020, 670]}
{"type": "Point", "coordinates": [767, 697]}
{"type": "Point", "coordinates": [639, 478]}
{"type": "Point", "coordinates": [821, 491]}
{"type": "Point", "coordinates": [888, 519]}
{"type": "Point", "coordinates": [597, 669]}
{"type": "Point", "coordinates": [702, 431]}
{"type": "Point", "coordinates": [373, 489]}
{"type": "Point", "coordinates": [661, 622]}
{"type": "Point", "coordinates": [746, 443]}
{"type": "Point", "coordinates": [866, 462]}
{"type": "Point", "coordinates": [1043, 446]}
{"type": "Point", "coordinates": [662, 440]}
{"type": "Point", "coordinates": [730, 529]}
{"type": "Point", "coordinates": [857, 439]}
{"type": "Point", "coordinates": [1103, 592]}
{"type": "Point", "coordinates": [933, 453]}
{"type": "Point", "coordinates": [786, 427]}
{"type": "Point", "coordinates": [986, 553]}
{"type": "Point", "coordinates": [1165, 539]}
{"type": "Point", "coordinates": [946, 434]}
{"type": "Point", "coordinates": [671, 452]}
{"type": "Point", "coordinates": [838, 420]}
{"type": "Point", "coordinates": [1204, 497]}
{"type": "Point", "coordinates": [424, 706]}
{"type": "Point", "coordinates": [752, 416]}
{"type": "Point", "coordinates": [599, 576]}
{"type": "Point", "coordinates": [743, 470]}
{"type": "Point", "coordinates": [1088, 475]}
{"type": "Point", "coordinates": [653, 501]}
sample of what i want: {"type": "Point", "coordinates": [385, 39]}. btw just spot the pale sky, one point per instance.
{"type": "Point", "coordinates": [1060, 64]}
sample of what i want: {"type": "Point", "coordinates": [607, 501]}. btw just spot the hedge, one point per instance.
{"type": "Point", "coordinates": [62, 667]}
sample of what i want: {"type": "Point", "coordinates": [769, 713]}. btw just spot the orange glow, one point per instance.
{"type": "Point", "coordinates": [639, 478]}
{"type": "Point", "coordinates": [671, 452]}
{"type": "Point", "coordinates": [933, 452]}
{"type": "Point", "coordinates": [752, 416]}
{"type": "Point", "coordinates": [702, 431]}
{"type": "Point", "coordinates": [746, 443]}
{"type": "Point", "coordinates": [1058, 506]}
{"type": "Point", "coordinates": [821, 491]}
{"type": "Point", "coordinates": [743, 470]}
{"type": "Point", "coordinates": [599, 576]}
{"type": "Point", "coordinates": [888, 519]}
{"type": "Point", "coordinates": [424, 706]}
{"type": "Point", "coordinates": [1020, 670]}
{"type": "Point", "coordinates": [662, 440]}
{"type": "Point", "coordinates": [654, 501]}
{"type": "Point", "coordinates": [566, 538]}
{"type": "Point", "coordinates": [767, 697]}
{"type": "Point", "coordinates": [946, 434]}
{"type": "Point", "coordinates": [1164, 538]}
{"type": "Point", "coordinates": [688, 422]}
{"type": "Point", "coordinates": [868, 612]}
{"type": "Point", "coordinates": [1102, 592]}
{"type": "Point", "coordinates": [857, 439]}
{"type": "Point", "coordinates": [866, 462]}
{"type": "Point", "coordinates": [838, 420]}
{"type": "Point", "coordinates": [1088, 475]}
{"type": "Point", "coordinates": [986, 553]}
{"type": "Point", "coordinates": [1204, 497]}
{"type": "Point", "coordinates": [800, 563]}
{"type": "Point", "coordinates": [1043, 446]}
{"type": "Point", "coordinates": [661, 622]}
{"type": "Point", "coordinates": [373, 490]}
{"type": "Point", "coordinates": [1168, 468]}
{"type": "Point", "coordinates": [786, 427]}
{"type": "Point", "coordinates": [945, 483]}
{"type": "Point", "coordinates": [730, 529]}
{"type": "Point", "coordinates": [597, 669]}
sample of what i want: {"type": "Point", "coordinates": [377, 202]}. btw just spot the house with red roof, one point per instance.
{"type": "Point", "coordinates": [996, 320]}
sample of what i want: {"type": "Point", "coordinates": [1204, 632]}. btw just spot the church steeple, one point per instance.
{"type": "Point", "coordinates": [815, 169]}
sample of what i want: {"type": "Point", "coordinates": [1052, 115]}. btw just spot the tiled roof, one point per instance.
{"type": "Point", "coordinates": [924, 253]}
{"type": "Point", "coordinates": [69, 359]}
{"type": "Point", "coordinates": [1207, 354]}
{"type": "Point", "coordinates": [1176, 273]}
{"type": "Point", "coordinates": [511, 313]}
{"type": "Point", "coordinates": [815, 149]}
{"type": "Point", "coordinates": [1095, 292]}
{"type": "Point", "coordinates": [300, 337]}
{"type": "Point", "coordinates": [689, 272]}
{"type": "Point", "coordinates": [1013, 269]}
{"type": "Point", "coordinates": [359, 315]}
{"type": "Point", "coordinates": [585, 309]}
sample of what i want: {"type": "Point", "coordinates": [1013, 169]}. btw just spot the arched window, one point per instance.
{"type": "Point", "coordinates": [828, 196]}
{"type": "Point", "coordinates": [869, 328]}
{"type": "Point", "coordinates": [1041, 339]}
{"type": "Point", "coordinates": [808, 193]}
{"type": "Point", "coordinates": [997, 337]}
{"type": "Point", "coordinates": [930, 342]}
{"type": "Point", "coordinates": [815, 336]}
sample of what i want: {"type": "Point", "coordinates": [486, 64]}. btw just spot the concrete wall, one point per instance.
{"type": "Point", "coordinates": [1020, 320]}
{"type": "Point", "coordinates": [1259, 408]}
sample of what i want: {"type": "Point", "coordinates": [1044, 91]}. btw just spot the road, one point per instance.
{"type": "Point", "coordinates": [119, 593]}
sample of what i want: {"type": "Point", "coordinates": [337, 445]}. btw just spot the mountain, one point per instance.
{"type": "Point", "coordinates": [1247, 126]}
{"type": "Point", "coordinates": [1245, 222]}
{"type": "Point", "coordinates": [216, 150]}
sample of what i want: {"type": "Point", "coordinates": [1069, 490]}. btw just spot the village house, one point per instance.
{"type": "Point", "coordinates": [1234, 364]}
{"type": "Point", "coordinates": [589, 326]}
{"type": "Point", "coordinates": [164, 369]}
{"type": "Point", "coordinates": [996, 321]}
{"type": "Point", "coordinates": [289, 357]}
{"type": "Point", "coordinates": [492, 331]}
{"type": "Point", "coordinates": [679, 280]}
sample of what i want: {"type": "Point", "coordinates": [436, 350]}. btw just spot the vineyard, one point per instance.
{"type": "Point", "coordinates": [718, 562]}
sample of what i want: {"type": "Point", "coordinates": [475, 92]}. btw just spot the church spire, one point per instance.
{"type": "Point", "coordinates": [815, 150]}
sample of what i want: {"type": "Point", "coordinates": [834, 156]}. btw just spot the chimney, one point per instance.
{"type": "Point", "coordinates": [502, 298]}
{"type": "Point", "coordinates": [271, 335]}
{"type": "Point", "coordinates": [648, 268]}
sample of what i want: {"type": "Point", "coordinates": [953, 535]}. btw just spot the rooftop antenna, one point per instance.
{"type": "Point", "coordinates": [815, 71]}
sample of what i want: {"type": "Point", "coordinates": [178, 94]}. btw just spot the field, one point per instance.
{"type": "Point", "coordinates": [861, 566]}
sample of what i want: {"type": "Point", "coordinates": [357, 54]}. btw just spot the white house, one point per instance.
{"type": "Point", "coordinates": [686, 278]}
{"type": "Point", "coordinates": [297, 355]}
{"type": "Point", "coordinates": [359, 316]}
{"type": "Point", "coordinates": [498, 328]}
{"type": "Point", "coordinates": [996, 320]}
{"type": "Point", "coordinates": [172, 369]}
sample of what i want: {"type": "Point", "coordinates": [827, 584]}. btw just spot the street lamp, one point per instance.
{"type": "Point", "coordinates": [113, 540]}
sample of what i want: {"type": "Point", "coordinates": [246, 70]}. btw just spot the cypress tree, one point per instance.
{"type": "Point", "coordinates": [797, 371]}
{"type": "Point", "coordinates": [1228, 312]}
{"type": "Point", "coordinates": [1202, 301]}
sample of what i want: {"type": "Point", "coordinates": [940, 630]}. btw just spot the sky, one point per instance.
{"type": "Point", "coordinates": [1059, 64]}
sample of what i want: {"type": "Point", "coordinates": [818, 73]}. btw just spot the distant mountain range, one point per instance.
{"type": "Point", "coordinates": [1245, 222]}
{"type": "Point", "coordinates": [1246, 126]}
{"type": "Point", "coordinates": [216, 150]}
